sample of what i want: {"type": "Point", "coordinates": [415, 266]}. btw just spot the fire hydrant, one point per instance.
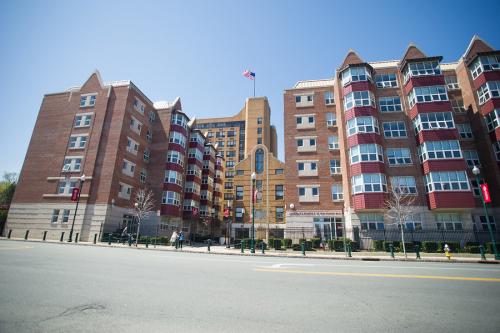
{"type": "Point", "coordinates": [447, 251]}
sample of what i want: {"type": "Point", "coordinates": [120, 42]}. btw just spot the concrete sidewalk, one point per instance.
{"type": "Point", "coordinates": [319, 254]}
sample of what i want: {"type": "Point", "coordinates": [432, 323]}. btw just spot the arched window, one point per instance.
{"type": "Point", "coordinates": [259, 161]}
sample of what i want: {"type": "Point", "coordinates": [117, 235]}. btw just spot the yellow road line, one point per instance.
{"type": "Point", "coordinates": [399, 276]}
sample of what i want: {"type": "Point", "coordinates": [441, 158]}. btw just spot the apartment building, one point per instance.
{"type": "Point", "coordinates": [248, 142]}
{"type": "Point", "coordinates": [415, 124]}
{"type": "Point", "coordinates": [121, 141]}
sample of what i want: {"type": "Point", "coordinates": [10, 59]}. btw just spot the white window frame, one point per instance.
{"type": "Point", "coordinates": [448, 221]}
{"type": "Point", "coordinates": [146, 155]}
{"type": "Point", "coordinates": [390, 104]}
{"type": "Point", "coordinates": [451, 82]}
{"type": "Point", "coordinates": [433, 121]}
{"type": "Point", "coordinates": [421, 68]}
{"type": "Point", "coordinates": [439, 150]}
{"type": "Point", "coordinates": [304, 100]}
{"type": "Point", "coordinates": [398, 157]}
{"type": "Point", "coordinates": [143, 176]}
{"type": "Point", "coordinates": [178, 138]}
{"type": "Point", "coordinates": [484, 63]}
{"type": "Point", "coordinates": [171, 198]}
{"type": "Point", "coordinates": [311, 193]}
{"type": "Point", "coordinates": [307, 168]}
{"type": "Point", "coordinates": [329, 97]}
{"type": "Point", "coordinates": [356, 74]}
{"type": "Point", "coordinates": [465, 131]}
{"type": "Point", "coordinates": [304, 121]}
{"type": "Point", "coordinates": [125, 191]}
{"type": "Point", "coordinates": [83, 119]}
{"type": "Point", "coordinates": [369, 183]}
{"type": "Point", "coordinates": [489, 90]}
{"type": "Point", "coordinates": [87, 100]}
{"type": "Point", "coordinates": [395, 129]}
{"type": "Point", "coordinates": [128, 168]}
{"type": "Point", "coordinates": [366, 124]}
{"type": "Point", "coordinates": [386, 80]}
{"type": "Point", "coordinates": [65, 187]}
{"type": "Point", "coordinates": [446, 181]}
{"type": "Point", "coordinates": [457, 104]}
{"type": "Point", "coordinates": [333, 142]}
{"type": "Point", "coordinates": [492, 120]}
{"type": "Point", "coordinates": [72, 163]}
{"type": "Point", "coordinates": [335, 167]}
{"type": "Point", "coordinates": [371, 221]}
{"type": "Point", "coordinates": [359, 99]}
{"type": "Point", "coordinates": [428, 94]}
{"type": "Point", "coordinates": [406, 184]}
{"type": "Point", "coordinates": [173, 156]}
{"type": "Point", "coordinates": [331, 119]}
{"type": "Point", "coordinates": [471, 158]}
{"type": "Point", "coordinates": [55, 215]}
{"type": "Point", "coordinates": [179, 119]}
{"type": "Point", "coordinates": [65, 216]}
{"type": "Point", "coordinates": [135, 125]}
{"type": "Point", "coordinates": [371, 152]}
{"type": "Point", "coordinates": [78, 141]}
{"type": "Point", "coordinates": [309, 143]}
{"type": "Point", "coordinates": [337, 192]}
{"type": "Point", "coordinates": [173, 177]}
{"type": "Point", "coordinates": [139, 106]}
{"type": "Point", "coordinates": [151, 116]}
{"type": "Point", "coordinates": [496, 149]}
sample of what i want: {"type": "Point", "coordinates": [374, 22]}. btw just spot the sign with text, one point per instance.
{"type": "Point", "coordinates": [486, 193]}
{"type": "Point", "coordinates": [74, 194]}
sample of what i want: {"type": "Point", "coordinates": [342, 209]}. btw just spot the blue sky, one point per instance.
{"type": "Point", "coordinates": [198, 49]}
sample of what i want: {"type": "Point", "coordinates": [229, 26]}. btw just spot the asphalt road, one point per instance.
{"type": "Point", "coordinates": [72, 288]}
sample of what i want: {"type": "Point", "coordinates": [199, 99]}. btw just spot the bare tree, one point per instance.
{"type": "Point", "coordinates": [399, 205]}
{"type": "Point", "coordinates": [143, 206]}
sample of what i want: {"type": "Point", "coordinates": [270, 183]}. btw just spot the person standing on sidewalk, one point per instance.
{"type": "Point", "coordinates": [181, 239]}
{"type": "Point", "coordinates": [447, 251]}
{"type": "Point", "coordinates": [173, 238]}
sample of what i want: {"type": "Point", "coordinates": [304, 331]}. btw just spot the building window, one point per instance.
{"type": "Point", "coordinates": [128, 168]}
{"type": "Point", "coordinates": [238, 214]}
{"type": "Point", "coordinates": [173, 177]}
{"type": "Point", "coordinates": [132, 146]}
{"type": "Point", "coordinates": [308, 193]}
{"type": "Point", "coordinates": [230, 153]}
{"type": "Point", "coordinates": [178, 138]}
{"type": "Point", "coordinates": [359, 98]}
{"type": "Point", "coordinates": [278, 192]}
{"type": "Point", "coordinates": [55, 215]}
{"type": "Point", "coordinates": [329, 100]}
{"type": "Point", "coordinates": [305, 121]}
{"type": "Point", "coordinates": [125, 191]}
{"type": "Point", "coordinates": [413, 222]}
{"type": "Point", "coordinates": [404, 184]}
{"type": "Point", "coordinates": [77, 141]}
{"type": "Point", "coordinates": [229, 164]}
{"type": "Point", "coordinates": [491, 89]}
{"type": "Point", "coordinates": [239, 192]}
{"type": "Point", "coordinates": [143, 176]}
{"type": "Point", "coordinates": [139, 106]}
{"type": "Point", "coordinates": [366, 153]}
{"type": "Point", "coordinates": [333, 142]}
{"type": "Point", "coordinates": [83, 120]}
{"type": "Point", "coordinates": [457, 105]}
{"type": "Point", "coordinates": [152, 116]}
{"type": "Point", "coordinates": [259, 130]}
{"type": "Point", "coordinates": [484, 223]}
{"type": "Point", "coordinates": [337, 192]}
{"type": "Point", "coordinates": [66, 187]}
{"type": "Point", "coordinates": [229, 174]}
{"type": "Point", "coordinates": [492, 120]}
{"type": "Point", "coordinates": [386, 80]}
{"type": "Point", "coordinates": [394, 129]}
{"type": "Point", "coordinates": [369, 182]}
{"type": "Point", "coordinates": [228, 196]}
{"type": "Point", "coordinates": [304, 100]}
{"type": "Point", "coordinates": [240, 172]}
{"type": "Point", "coordinates": [331, 119]}
{"type": "Point", "coordinates": [175, 157]}
{"type": "Point", "coordinates": [280, 214]}
{"type": "Point", "coordinates": [465, 131]}
{"type": "Point", "coordinates": [471, 158]}
{"type": "Point", "coordinates": [437, 150]}
{"type": "Point", "coordinates": [259, 141]}
{"type": "Point", "coordinates": [192, 187]}
{"type": "Point", "coordinates": [87, 100]}
{"type": "Point", "coordinates": [145, 155]}
{"type": "Point", "coordinates": [171, 198]}
{"type": "Point", "coordinates": [423, 68]}
{"type": "Point", "coordinates": [496, 149]}
{"type": "Point", "coordinates": [484, 63]}
{"type": "Point", "coordinates": [210, 134]}
{"type": "Point", "coordinates": [65, 217]}
{"type": "Point", "coordinates": [259, 120]}
{"type": "Point", "coordinates": [446, 181]}
{"type": "Point", "coordinates": [72, 164]}
{"type": "Point", "coordinates": [149, 135]}
{"type": "Point", "coordinates": [390, 104]}
{"type": "Point", "coordinates": [371, 221]}
{"type": "Point", "coordinates": [427, 94]}
{"type": "Point", "coordinates": [398, 156]}
{"type": "Point", "coordinates": [451, 82]}
{"type": "Point", "coordinates": [433, 121]}
{"type": "Point", "coordinates": [179, 119]}
{"type": "Point", "coordinates": [135, 125]}
{"type": "Point", "coordinates": [448, 221]}
{"type": "Point", "coordinates": [362, 125]}
{"type": "Point", "coordinates": [306, 144]}
{"type": "Point", "coordinates": [307, 168]}
{"type": "Point", "coordinates": [355, 74]}
{"type": "Point", "coordinates": [335, 167]}
{"type": "Point", "coordinates": [278, 171]}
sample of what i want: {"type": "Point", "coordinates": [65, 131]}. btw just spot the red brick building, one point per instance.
{"type": "Point", "coordinates": [121, 141]}
{"type": "Point", "coordinates": [414, 123]}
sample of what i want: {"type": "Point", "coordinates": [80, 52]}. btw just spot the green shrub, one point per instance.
{"type": "Point", "coordinates": [430, 247]}
{"type": "Point", "coordinates": [287, 242]}
{"type": "Point", "coordinates": [271, 242]}
{"type": "Point", "coordinates": [337, 245]}
{"type": "Point", "coordinates": [378, 245]}
{"type": "Point", "coordinates": [315, 243]}
{"type": "Point", "coordinates": [296, 247]}
{"type": "Point", "coordinates": [308, 245]}
{"type": "Point", "coordinates": [489, 248]}
{"type": "Point", "coordinates": [395, 245]}
{"type": "Point", "coordinates": [472, 249]}
{"type": "Point", "coordinates": [472, 244]}
{"type": "Point", "coordinates": [409, 246]}
{"type": "Point", "coordinates": [354, 245]}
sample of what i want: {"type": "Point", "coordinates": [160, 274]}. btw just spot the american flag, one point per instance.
{"type": "Point", "coordinates": [249, 74]}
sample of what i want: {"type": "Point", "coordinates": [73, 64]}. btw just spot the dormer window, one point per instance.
{"type": "Point", "coordinates": [424, 68]}
{"type": "Point", "coordinates": [355, 74]}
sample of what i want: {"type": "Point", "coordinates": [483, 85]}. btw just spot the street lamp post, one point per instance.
{"type": "Point", "coordinates": [82, 180]}
{"type": "Point", "coordinates": [476, 173]}
{"type": "Point", "coordinates": [252, 244]}
{"type": "Point", "coordinates": [136, 205]}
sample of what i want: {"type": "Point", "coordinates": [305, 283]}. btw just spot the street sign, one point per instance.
{"type": "Point", "coordinates": [226, 212]}
{"type": "Point", "coordinates": [74, 194]}
{"type": "Point", "coordinates": [486, 193]}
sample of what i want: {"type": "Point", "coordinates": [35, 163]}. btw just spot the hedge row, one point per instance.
{"type": "Point", "coordinates": [430, 246]}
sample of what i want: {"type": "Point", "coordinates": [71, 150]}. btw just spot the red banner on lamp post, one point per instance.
{"type": "Point", "coordinates": [226, 212]}
{"type": "Point", "coordinates": [74, 194]}
{"type": "Point", "coordinates": [486, 193]}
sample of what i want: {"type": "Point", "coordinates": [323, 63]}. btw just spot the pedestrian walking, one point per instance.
{"type": "Point", "coordinates": [447, 251]}
{"type": "Point", "coordinates": [173, 239]}
{"type": "Point", "coordinates": [181, 239]}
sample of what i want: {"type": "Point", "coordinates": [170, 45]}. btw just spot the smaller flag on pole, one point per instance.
{"type": "Point", "coordinates": [248, 74]}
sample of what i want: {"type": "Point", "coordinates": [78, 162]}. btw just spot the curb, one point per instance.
{"type": "Point", "coordinates": [269, 255]}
